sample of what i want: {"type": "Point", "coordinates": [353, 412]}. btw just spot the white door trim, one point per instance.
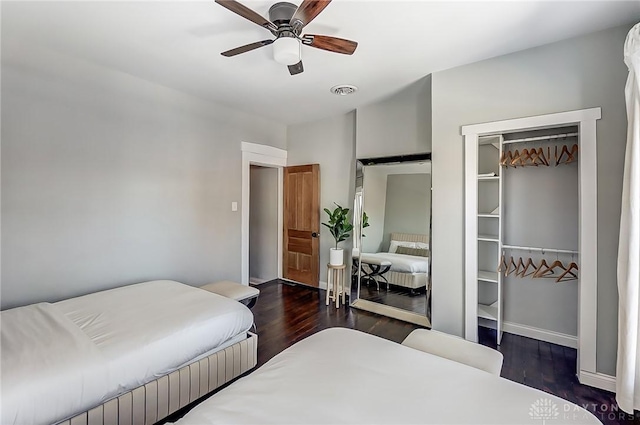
{"type": "Point", "coordinates": [588, 206]}
{"type": "Point", "coordinates": [266, 156]}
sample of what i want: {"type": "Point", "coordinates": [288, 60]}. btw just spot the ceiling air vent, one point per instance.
{"type": "Point", "coordinates": [343, 90]}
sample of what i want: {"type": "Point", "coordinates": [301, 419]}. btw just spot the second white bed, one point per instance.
{"type": "Point", "coordinates": [345, 376]}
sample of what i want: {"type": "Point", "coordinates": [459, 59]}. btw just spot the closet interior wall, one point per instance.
{"type": "Point", "coordinates": [540, 208]}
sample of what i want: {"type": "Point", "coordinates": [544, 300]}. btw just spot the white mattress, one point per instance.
{"type": "Point", "coordinates": [63, 358]}
{"type": "Point", "coordinates": [402, 263]}
{"type": "Point", "coordinates": [345, 376]}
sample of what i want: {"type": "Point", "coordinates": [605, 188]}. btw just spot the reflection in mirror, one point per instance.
{"type": "Point", "coordinates": [391, 255]}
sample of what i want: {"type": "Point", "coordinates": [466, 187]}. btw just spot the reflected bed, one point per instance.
{"type": "Point", "coordinates": [409, 271]}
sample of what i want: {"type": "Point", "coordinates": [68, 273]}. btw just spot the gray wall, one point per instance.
{"type": "Point", "coordinates": [408, 207]}
{"type": "Point", "coordinates": [541, 209]}
{"type": "Point", "coordinates": [109, 180]}
{"type": "Point", "coordinates": [583, 72]}
{"type": "Point", "coordinates": [375, 201]}
{"type": "Point", "coordinates": [399, 124]}
{"type": "Point", "coordinates": [263, 223]}
{"type": "Point", "coordinates": [331, 143]}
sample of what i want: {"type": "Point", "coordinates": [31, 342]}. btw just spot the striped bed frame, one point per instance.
{"type": "Point", "coordinates": [158, 399]}
{"type": "Point", "coordinates": [409, 237]}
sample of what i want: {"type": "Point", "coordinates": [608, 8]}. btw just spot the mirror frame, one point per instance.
{"type": "Point", "coordinates": [370, 306]}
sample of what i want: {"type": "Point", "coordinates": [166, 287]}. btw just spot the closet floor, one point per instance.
{"type": "Point", "coordinates": [552, 368]}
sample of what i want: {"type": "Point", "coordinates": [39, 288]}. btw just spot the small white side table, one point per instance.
{"type": "Point", "coordinates": [335, 284]}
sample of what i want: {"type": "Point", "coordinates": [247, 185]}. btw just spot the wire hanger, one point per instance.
{"type": "Point", "coordinates": [510, 270]}
{"type": "Point", "coordinates": [571, 155]}
{"type": "Point", "coordinates": [520, 267]}
{"type": "Point", "coordinates": [528, 264]}
{"type": "Point", "coordinates": [569, 274]}
{"type": "Point", "coordinates": [543, 158]}
{"type": "Point", "coordinates": [525, 157]}
{"type": "Point", "coordinates": [552, 270]}
{"type": "Point", "coordinates": [534, 157]}
{"type": "Point", "coordinates": [502, 267]}
{"type": "Point", "coordinates": [542, 268]}
{"type": "Point", "coordinates": [516, 158]}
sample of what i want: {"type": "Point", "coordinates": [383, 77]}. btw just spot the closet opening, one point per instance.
{"type": "Point", "coordinates": [528, 215]}
{"type": "Point", "coordinates": [531, 232]}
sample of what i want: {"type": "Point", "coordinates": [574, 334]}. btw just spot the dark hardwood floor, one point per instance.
{"type": "Point", "coordinates": [552, 368]}
{"type": "Point", "coordinates": [396, 296]}
{"type": "Point", "coordinates": [285, 314]}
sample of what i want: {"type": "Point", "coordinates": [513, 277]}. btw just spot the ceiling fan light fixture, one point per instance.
{"type": "Point", "coordinates": [286, 50]}
{"type": "Point", "coordinates": [343, 89]}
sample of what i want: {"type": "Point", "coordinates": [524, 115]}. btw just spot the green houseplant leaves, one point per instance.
{"type": "Point", "coordinates": [338, 224]}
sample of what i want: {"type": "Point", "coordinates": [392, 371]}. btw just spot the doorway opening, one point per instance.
{"type": "Point", "coordinates": [263, 224]}
{"type": "Point", "coordinates": [269, 157]}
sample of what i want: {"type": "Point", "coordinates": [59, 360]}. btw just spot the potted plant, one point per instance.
{"type": "Point", "coordinates": [339, 226]}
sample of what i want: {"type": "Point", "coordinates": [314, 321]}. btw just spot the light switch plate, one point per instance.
{"type": "Point", "coordinates": [234, 206]}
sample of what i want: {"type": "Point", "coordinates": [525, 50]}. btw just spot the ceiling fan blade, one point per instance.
{"type": "Point", "coordinates": [306, 12]}
{"type": "Point", "coordinates": [247, 48]}
{"type": "Point", "coordinates": [296, 69]}
{"type": "Point", "coordinates": [247, 13]}
{"type": "Point", "coordinates": [332, 44]}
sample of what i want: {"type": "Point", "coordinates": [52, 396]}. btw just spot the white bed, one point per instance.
{"type": "Point", "coordinates": [408, 271]}
{"type": "Point", "coordinates": [65, 358]}
{"type": "Point", "coordinates": [345, 376]}
{"type": "Point", "coordinates": [401, 263]}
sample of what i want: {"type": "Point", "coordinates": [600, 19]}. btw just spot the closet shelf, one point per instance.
{"type": "Point", "coordinates": [488, 276]}
{"type": "Point", "coordinates": [488, 238]}
{"type": "Point", "coordinates": [490, 140]}
{"type": "Point", "coordinates": [489, 312]}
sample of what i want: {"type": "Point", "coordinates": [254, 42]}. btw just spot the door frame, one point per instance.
{"type": "Point", "coordinates": [588, 231]}
{"type": "Point", "coordinates": [264, 156]}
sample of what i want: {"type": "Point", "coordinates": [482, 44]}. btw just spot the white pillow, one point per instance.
{"type": "Point", "coordinates": [422, 245]}
{"type": "Point", "coordinates": [393, 245]}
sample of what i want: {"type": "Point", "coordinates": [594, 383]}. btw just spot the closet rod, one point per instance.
{"type": "Point", "coordinates": [544, 250]}
{"type": "Point", "coordinates": [533, 139]}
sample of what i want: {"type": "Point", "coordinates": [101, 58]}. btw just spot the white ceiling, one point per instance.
{"type": "Point", "coordinates": [178, 44]}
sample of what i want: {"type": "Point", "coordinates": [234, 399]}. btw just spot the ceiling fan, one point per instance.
{"type": "Point", "coordinates": [286, 22]}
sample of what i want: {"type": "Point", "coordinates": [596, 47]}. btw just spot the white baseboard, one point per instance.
{"type": "Point", "coordinates": [535, 333]}
{"type": "Point", "coordinates": [598, 380]}
{"type": "Point", "coordinates": [541, 334]}
{"type": "Point", "coordinates": [257, 280]}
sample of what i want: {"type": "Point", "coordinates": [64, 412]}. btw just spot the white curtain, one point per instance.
{"type": "Point", "coordinates": [628, 367]}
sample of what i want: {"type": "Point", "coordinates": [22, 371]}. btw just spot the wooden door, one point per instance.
{"type": "Point", "coordinates": [301, 250]}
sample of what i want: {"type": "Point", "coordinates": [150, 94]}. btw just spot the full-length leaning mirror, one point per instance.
{"type": "Point", "coordinates": [391, 271]}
